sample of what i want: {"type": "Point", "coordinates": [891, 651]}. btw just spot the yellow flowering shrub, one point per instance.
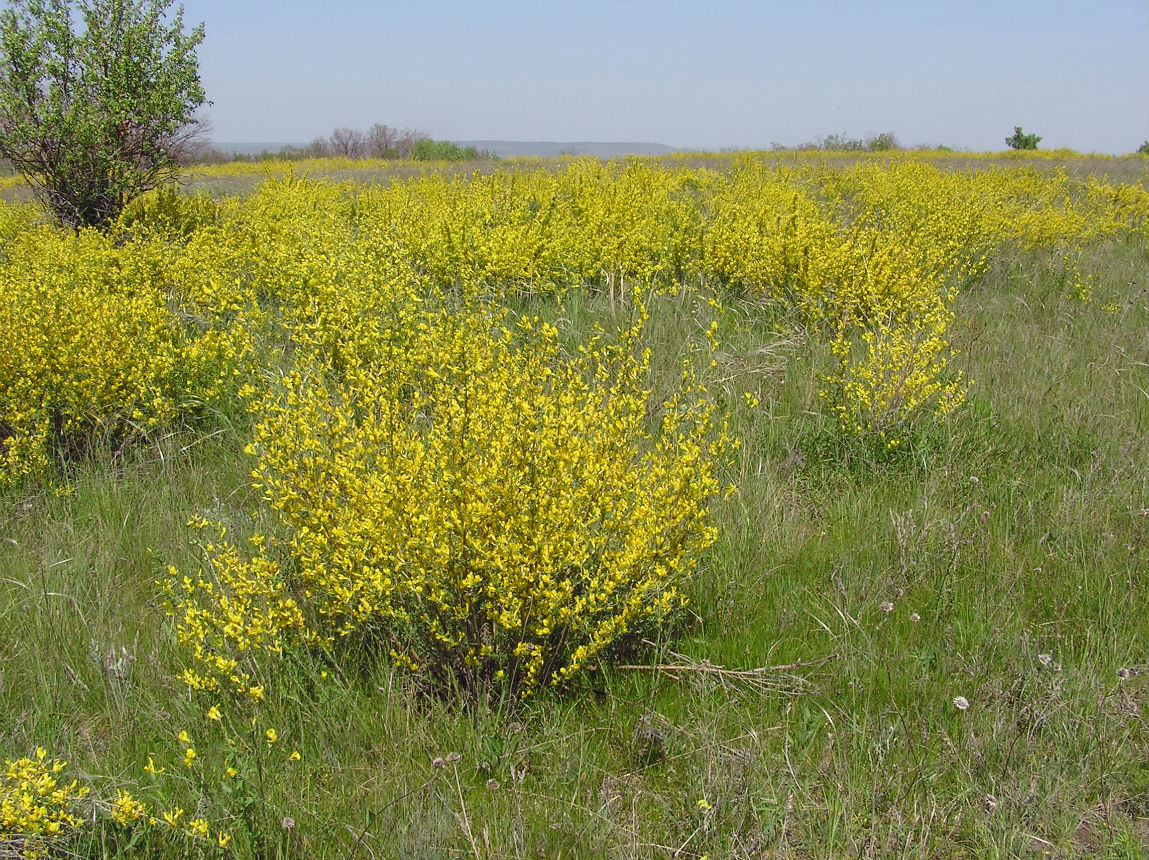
{"type": "Point", "coordinates": [43, 816]}
{"type": "Point", "coordinates": [869, 261]}
{"type": "Point", "coordinates": [16, 219]}
{"type": "Point", "coordinates": [167, 213]}
{"type": "Point", "coordinates": [889, 371]}
{"type": "Point", "coordinates": [476, 504]}
{"type": "Point", "coordinates": [92, 350]}
{"type": "Point", "coordinates": [228, 619]}
{"type": "Point", "coordinates": [767, 230]}
{"type": "Point", "coordinates": [35, 808]}
{"type": "Point", "coordinates": [112, 337]}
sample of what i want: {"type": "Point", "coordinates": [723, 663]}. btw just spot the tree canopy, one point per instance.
{"type": "Point", "coordinates": [97, 98]}
{"type": "Point", "coordinates": [1020, 140]}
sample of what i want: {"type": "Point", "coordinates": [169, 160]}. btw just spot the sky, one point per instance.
{"type": "Point", "coordinates": [713, 75]}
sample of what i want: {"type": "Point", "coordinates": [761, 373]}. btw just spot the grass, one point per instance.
{"type": "Point", "coordinates": [957, 635]}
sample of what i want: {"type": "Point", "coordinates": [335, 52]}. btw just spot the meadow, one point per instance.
{"type": "Point", "coordinates": [745, 506]}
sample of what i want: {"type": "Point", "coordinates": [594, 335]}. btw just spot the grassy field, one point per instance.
{"type": "Point", "coordinates": [941, 651]}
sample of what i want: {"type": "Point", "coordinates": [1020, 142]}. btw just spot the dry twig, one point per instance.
{"type": "Point", "coordinates": [777, 679]}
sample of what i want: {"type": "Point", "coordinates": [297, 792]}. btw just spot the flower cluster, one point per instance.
{"type": "Point", "coordinates": [39, 814]}
{"type": "Point", "coordinates": [35, 809]}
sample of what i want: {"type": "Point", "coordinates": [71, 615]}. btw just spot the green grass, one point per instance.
{"type": "Point", "coordinates": [1001, 559]}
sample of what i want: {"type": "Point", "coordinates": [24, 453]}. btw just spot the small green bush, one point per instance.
{"type": "Point", "coordinates": [1020, 140]}
{"type": "Point", "coordinates": [443, 150]}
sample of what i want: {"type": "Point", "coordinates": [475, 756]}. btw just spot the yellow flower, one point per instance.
{"type": "Point", "coordinates": [213, 713]}
{"type": "Point", "coordinates": [189, 757]}
{"type": "Point", "coordinates": [126, 809]}
{"type": "Point", "coordinates": [150, 767]}
{"type": "Point", "coordinates": [294, 756]}
{"type": "Point", "coordinates": [272, 737]}
{"type": "Point", "coordinates": [172, 817]}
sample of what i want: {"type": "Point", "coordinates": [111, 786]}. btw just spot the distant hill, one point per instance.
{"type": "Point", "coordinates": [501, 148]}
{"type": "Point", "coordinates": [552, 149]}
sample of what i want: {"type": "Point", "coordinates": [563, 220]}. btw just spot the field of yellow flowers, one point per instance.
{"type": "Point", "coordinates": [753, 506]}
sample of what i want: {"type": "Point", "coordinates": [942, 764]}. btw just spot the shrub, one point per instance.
{"type": "Point", "coordinates": [478, 507]}
{"type": "Point", "coordinates": [890, 373]}
{"type": "Point", "coordinates": [42, 816]}
{"type": "Point", "coordinates": [843, 143]}
{"type": "Point", "coordinates": [35, 809]}
{"type": "Point", "coordinates": [98, 99]}
{"type": "Point", "coordinates": [92, 351]}
{"type": "Point", "coordinates": [443, 150]}
{"type": "Point", "coordinates": [1020, 140]}
{"type": "Point", "coordinates": [884, 142]}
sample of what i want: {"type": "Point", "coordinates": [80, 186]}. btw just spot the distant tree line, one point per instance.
{"type": "Point", "coordinates": [379, 141]}
{"type": "Point", "coordinates": [884, 142]}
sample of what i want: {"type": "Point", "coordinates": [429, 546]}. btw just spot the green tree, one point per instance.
{"type": "Point", "coordinates": [1020, 140]}
{"type": "Point", "coordinates": [1143, 149]}
{"type": "Point", "coordinates": [443, 150]}
{"type": "Point", "coordinates": [884, 142]}
{"type": "Point", "coordinates": [97, 100]}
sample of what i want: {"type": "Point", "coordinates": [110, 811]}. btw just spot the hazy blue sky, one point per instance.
{"type": "Point", "coordinates": [727, 73]}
